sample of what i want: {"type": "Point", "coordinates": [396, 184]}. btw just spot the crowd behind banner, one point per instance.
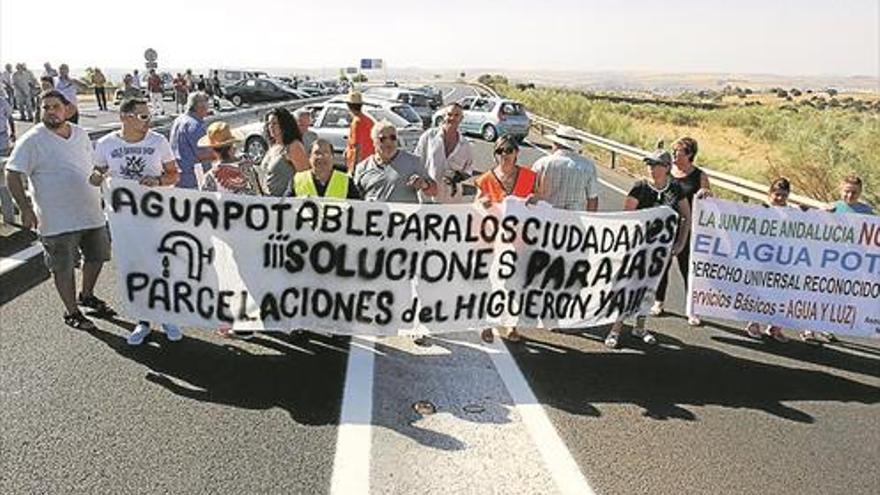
{"type": "Point", "coordinates": [222, 259]}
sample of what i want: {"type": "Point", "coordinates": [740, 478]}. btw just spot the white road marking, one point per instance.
{"type": "Point", "coordinates": [557, 458]}
{"type": "Point", "coordinates": [351, 464]}
{"type": "Point", "coordinates": [601, 181]}
{"type": "Point", "coordinates": [12, 262]}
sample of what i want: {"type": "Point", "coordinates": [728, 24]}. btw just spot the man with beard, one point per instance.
{"type": "Point", "coordinates": [57, 157]}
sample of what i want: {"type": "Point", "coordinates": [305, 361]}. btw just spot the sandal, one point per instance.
{"type": "Point", "coordinates": [512, 335]}
{"type": "Point", "coordinates": [753, 330]}
{"type": "Point", "coordinates": [78, 321]}
{"type": "Point", "coordinates": [611, 340]}
{"type": "Point", "coordinates": [99, 307]}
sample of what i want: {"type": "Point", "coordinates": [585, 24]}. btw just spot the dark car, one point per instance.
{"type": "Point", "coordinates": [255, 90]}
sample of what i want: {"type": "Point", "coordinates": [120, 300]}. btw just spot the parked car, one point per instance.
{"type": "Point", "coordinates": [230, 77]}
{"type": "Point", "coordinates": [416, 99]}
{"type": "Point", "coordinates": [491, 117]}
{"type": "Point", "coordinates": [434, 95]}
{"type": "Point", "coordinates": [331, 121]}
{"type": "Point", "coordinates": [255, 90]}
{"type": "Point", "coordinates": [316, 88]}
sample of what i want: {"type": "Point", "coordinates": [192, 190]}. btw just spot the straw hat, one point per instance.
{"type": "Point", "coordinates": [219, 134]}
{"type": "Point", "coordinates": [565, 136]}
{"type": "Point", "coordinates": [354, 98]}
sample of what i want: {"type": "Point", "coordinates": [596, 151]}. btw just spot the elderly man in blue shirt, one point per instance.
{"type": "Point", "coordinates": [186, 131]}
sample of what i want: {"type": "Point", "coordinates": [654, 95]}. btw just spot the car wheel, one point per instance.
{"type": "Point", "coordinates": [236, 100]}
{"type": "Point", "coordinates": [255, 147]}
{"type": "Point", "coordinates": [489, 133]}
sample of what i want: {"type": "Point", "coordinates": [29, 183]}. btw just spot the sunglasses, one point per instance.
{"type": "Point", "coordinates": [392, 138]}
{"type": "Point", "coordinates": [143, 117]}
{"type": "Point", "coordinates": [505, 151]}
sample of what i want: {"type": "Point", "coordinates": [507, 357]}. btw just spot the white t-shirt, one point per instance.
{"type": "Point", "coordinates": [432, 151]}
{"type": "Point", "coordinates": [59, 171]}
{"type": "Point", "coordinates": [133, 160]}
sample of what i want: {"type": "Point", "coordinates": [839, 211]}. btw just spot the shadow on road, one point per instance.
{"type": "Point", "coordinates": [666, 379]}
{"type": "Point", "coordinates": [305, 380]}
{"type": "Point", "coordinates": [824, 355]}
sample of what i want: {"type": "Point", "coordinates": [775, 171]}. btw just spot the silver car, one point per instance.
{"type": "Point", "coordinates": [331, 121]}
{"type": "Point", "coordinates": [419, 101]}
{"type": "Point", "coordinates": [491, 117]}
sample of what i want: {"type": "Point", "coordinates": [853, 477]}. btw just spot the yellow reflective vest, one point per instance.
{"type": "Point", "coordinates": [304, 185]}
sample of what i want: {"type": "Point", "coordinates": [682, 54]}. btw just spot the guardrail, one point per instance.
{"type": "Point", "coordinates": [744, 188]}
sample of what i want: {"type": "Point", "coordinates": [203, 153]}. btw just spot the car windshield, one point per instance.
{"type": "Point", "coordinates": [414, 99]}
{"type": "Point", "coordinates": [379, 114]}
{"type": "Point", "coordinates": [407, 113]}
{"type": "Point", "coordinates": [511, 108]}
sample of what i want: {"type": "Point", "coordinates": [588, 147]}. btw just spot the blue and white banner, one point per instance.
{"type": "Point", "coordinates": [807, 270]}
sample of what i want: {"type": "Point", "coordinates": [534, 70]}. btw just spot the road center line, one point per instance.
{"type": "Point", "coordinates": [351, 464]}
{"type": "Point", "coordinates": [557, 458]}
{"type": "Point", "coordinates": [12, 262]}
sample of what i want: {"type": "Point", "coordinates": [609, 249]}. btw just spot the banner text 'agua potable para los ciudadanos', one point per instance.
{"type": "Point", "coordinates": [209, 259]}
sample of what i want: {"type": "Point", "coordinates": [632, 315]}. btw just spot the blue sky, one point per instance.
{"type": "Point", "coordinates": [786, 37]}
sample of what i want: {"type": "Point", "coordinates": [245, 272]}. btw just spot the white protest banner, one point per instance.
{"type": "Point", "coordinates": [808, 270]}
{"type": "Point", "coordinates": [209, 259]}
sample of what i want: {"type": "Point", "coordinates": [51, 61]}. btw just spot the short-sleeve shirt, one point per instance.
{"type": "Point", "coordinates": [59, 171]}
{"type": "Point", "coordinates": [359, 135]}
{"type": "Point", "coordinates": [567, 180]}
{"type": "Point", "coordinates": [154, 83]}
{"type": "Point", "coordinates": [185, 134]}
{"type": "Point", "coordinates": [234, 177]}
{"type": "Point", "coordinates": [432, 151]}
{"type": "Point", "coordinates": [843, 207]}
{"type": "Point", "coordinates": [387, 182]}
{"type": "Point", "coordinates": [133, 160]}
{"type": "Point", "coordinates": [649, 197]}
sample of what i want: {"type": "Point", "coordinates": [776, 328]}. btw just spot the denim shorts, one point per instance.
{"type": "Point", "coordinates": [62, 252]}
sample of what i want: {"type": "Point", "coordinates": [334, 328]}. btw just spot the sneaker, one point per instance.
{"type": "Point", "coordinates": [753, 330]}
{"type": "Point", "coordinates": [140, 332]}
{"type": "Point", "coordinates": [243, 334]}
{"type": "Point", "coordinates": [98, 306]}
{"type": "Point", "coordinates": [776, 333]}
{"type": "Point", "coordinates": [809, 337]}
{"type": "Point", "coordinates": [487, 335]}
{"type": "Point", "coordinates": [612, 340]}
{"type": "Point", "coordinates": [645, 335]}
{"type": "Point", "coordinates": [694, 321]}
{"type": "Point", "coordinates": [829, 336]}
{"type": "Point", "coordinates": [657, 308]}
{"type": "Point", "coordinates": [172, 332]}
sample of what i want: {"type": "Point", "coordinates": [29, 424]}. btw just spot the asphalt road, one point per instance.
{"type": "Point", "coordinates": [706, 411]}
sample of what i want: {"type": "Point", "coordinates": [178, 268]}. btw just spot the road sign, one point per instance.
{"type": "Point", "coordinates": [371, 63]}
{"type": "Point", "coordinates": [351, 70]}
{"type": "Point", "coordinates": [151, 55]}
{"type": "Point", "coordinates": [151, 65]}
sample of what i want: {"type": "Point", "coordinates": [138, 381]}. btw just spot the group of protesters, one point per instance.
{"type": "Point", "coordinates": [65, 171]}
